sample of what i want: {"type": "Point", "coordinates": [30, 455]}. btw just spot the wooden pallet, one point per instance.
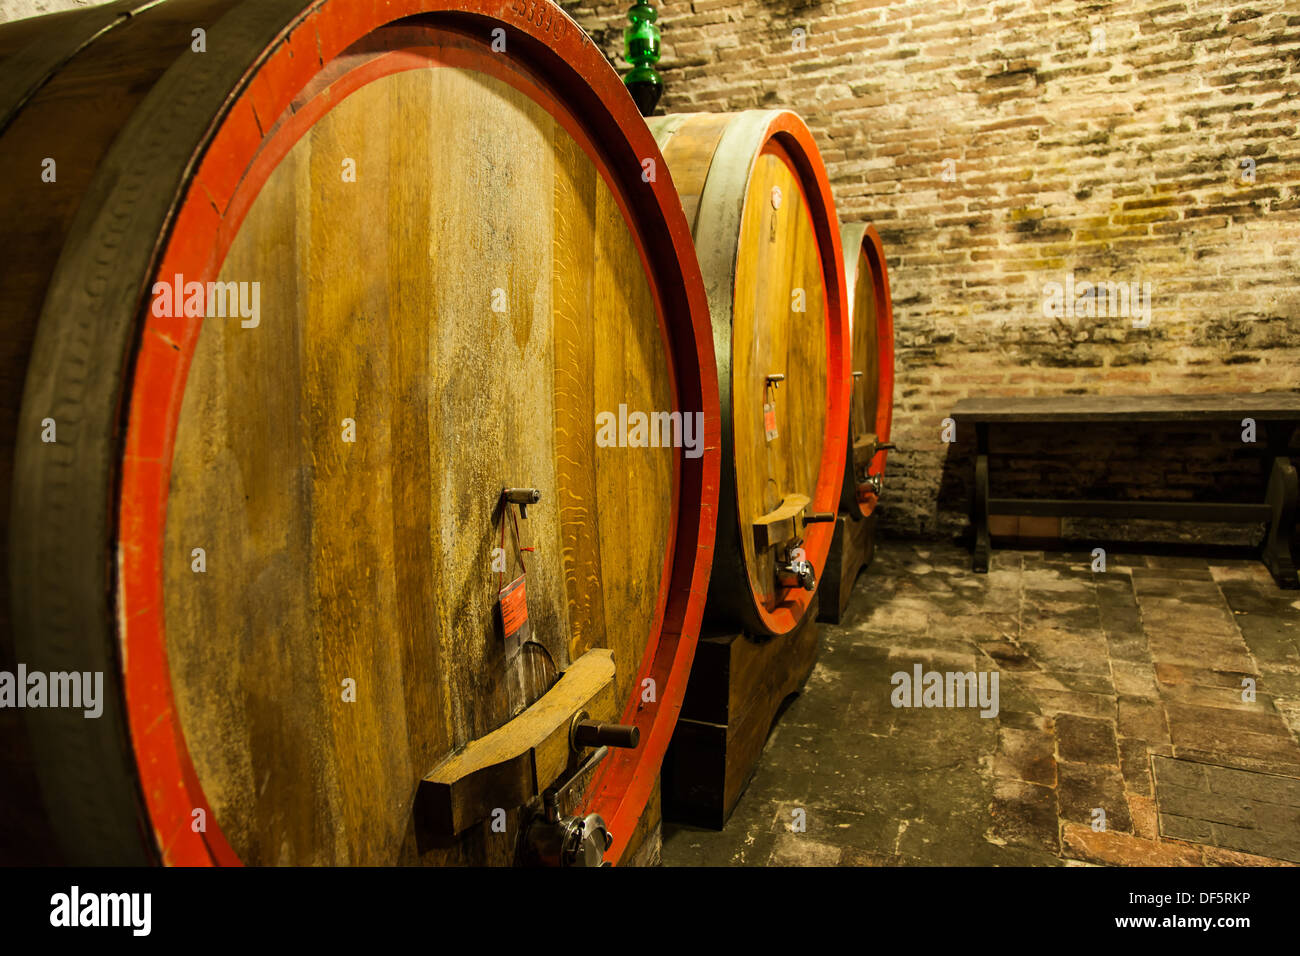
{"type": "Point", "coordinates": [852, 548]}
{"type": "Point", "coordinates": [736, 689]}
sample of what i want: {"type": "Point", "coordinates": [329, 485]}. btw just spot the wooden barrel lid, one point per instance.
{"type": "Point", "coordinates": [754, 187]}
{"type": "Point", "coordinates": [871, 320]}
{"type": "Point", "coordinates": [459, 268]}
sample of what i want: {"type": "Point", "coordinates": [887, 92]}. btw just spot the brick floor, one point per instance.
{"type": "Point", "coordinates": [1101, 678]}
{"type": "Point", "coordinates": [1233, 809]}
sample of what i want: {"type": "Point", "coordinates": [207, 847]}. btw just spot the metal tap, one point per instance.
{"type": "Point", "coordinates": [553, 839]}
{"type": "Point", "coordinates": [796, 571]}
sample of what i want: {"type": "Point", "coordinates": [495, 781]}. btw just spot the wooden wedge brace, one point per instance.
{"type": "Point", "coordinates": [777, 526]}
{"type": "Point", "coordinates": [521, 758]}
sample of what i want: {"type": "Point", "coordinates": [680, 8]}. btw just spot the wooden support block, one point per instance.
{"type": "Point", "coordinates": [851, 551]}
{"type": "Point", "coordinates": [521, 758]}
{"type": "Point", "coordinates": [736, 688]}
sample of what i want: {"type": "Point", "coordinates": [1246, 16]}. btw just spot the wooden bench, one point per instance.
{"type": "Point", "coordinates": [1275, 414]}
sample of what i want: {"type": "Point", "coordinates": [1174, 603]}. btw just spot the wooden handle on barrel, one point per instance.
{"type": "Point", "coordinates": [521, 758]}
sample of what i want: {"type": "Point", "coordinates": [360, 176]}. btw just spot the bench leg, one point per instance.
{"type": "Point", "coordinates": [983, 546]}
{"type": "Point", "coordinates": [1282, 488]}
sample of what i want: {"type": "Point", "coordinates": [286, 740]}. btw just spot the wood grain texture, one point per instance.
{"type": "Point", "coordinates": [327, 556]}
{"type": "Point", "coordinates": [35, 218]}
{"type": "Point", "coordinates": [36, 222]}
{"type": "Point", "coordinates": [866, 354]}
{"type": "Point", "coordinates": [634, 494]}
{"type": "Point", "coordinates": [372, 560]}
{"type": "Point", "coordinates": [692, 154]}
{"type": "Point", "coordinates": [777, 260]}
{"type": "Point", "coordinates": [765, 270]}
{"type": "Point", "coordinates": [871, 408]}
{"type": "Point", "coordinates": [574, 292]}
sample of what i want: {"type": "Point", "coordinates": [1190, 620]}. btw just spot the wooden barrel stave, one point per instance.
{"type": "Point", "coordinates": [754, 258]}
{"type": "Point", "coordinates": [871, 410]}
{"type": "Point", "coordinates": [58, 68]}
{"type": "Point", "coordinates": [395, 541]}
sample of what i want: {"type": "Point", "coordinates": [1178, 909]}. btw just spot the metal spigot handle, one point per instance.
{"type": "Point", "coordinates": [590, 733]}
{"type": "Point", "coordinates": [523, 497]}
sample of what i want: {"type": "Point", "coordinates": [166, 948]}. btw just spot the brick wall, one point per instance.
{"type": "Point", "coordinates": [1103, 139]}
{"type": "Point", "coordinates": [998, 146]}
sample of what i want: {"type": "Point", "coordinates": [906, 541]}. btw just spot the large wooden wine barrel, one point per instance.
{"type": "Point", "coordinates": [273, 515]}
{"type": "Point", "coordinates": [871, 412]}
{"type": "Point", "coordinates": [754, 188]}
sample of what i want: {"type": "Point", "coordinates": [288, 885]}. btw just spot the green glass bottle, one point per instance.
{"type": "Point", "coordinates": [641, 49]}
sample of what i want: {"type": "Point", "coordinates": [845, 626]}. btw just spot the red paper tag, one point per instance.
{"type": "Point", "coordinates": [512, 608]}
{"type": "Point", "coordinates": [769, 420]}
